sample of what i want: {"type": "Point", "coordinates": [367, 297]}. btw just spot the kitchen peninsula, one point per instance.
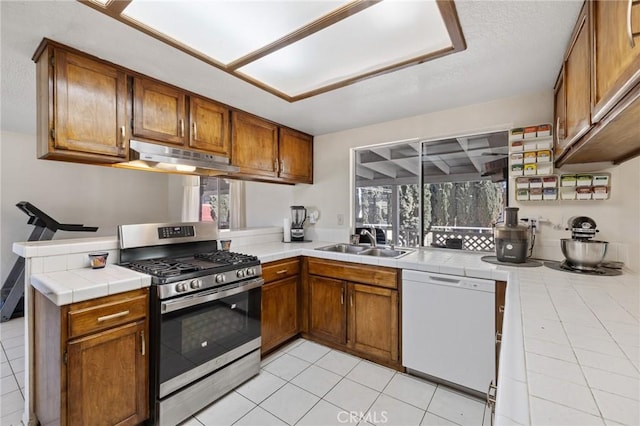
{"type": "Point", "coordinates": [550, 369]}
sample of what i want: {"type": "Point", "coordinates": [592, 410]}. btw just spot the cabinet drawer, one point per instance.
{"type": "Point", "coordinates": [374, 275]}
{"type": "Point", "coordinates": [89, 319]}
{"type": "Point", "coordinates": [282, 269]}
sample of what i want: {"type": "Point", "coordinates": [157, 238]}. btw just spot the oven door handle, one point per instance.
{"type": "Point", "coordinates": [208, 296]}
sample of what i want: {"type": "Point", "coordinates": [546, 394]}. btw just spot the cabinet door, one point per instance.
{"type": "Point", "coordinates": [616, 62]}
{"type": "Point", "coordinates": [296, 156]}
{"type": "Point", "coordinates": [107, 377]}
{"type": "Point", "coordinates": [158, 112]}
{"type": "Point", "coordinates": [279, 312]}
{"type": "Point", "coordinates": [373, 321]}
{"type": "Point", "coordinates": [254, 145]}
{"type": "Point", "coordinates": [327, 309]}
{"type": "Point", "coordinates": [560, 116]}
{"type": "Point", "coordinates": [90, 106]}
{"type": "Point", "coordinates": [578, 83]}
{"type": "Point", "coordinates": [209, 126]}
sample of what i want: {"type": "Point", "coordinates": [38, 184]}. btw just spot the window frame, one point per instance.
{"type": "Point", "coordinates": [353, 157]}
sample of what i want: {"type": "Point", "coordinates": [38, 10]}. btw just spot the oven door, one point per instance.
{"type": "Point", "coordinates": [202, 332]}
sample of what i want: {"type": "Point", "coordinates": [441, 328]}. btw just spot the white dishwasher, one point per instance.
{"type": "Point", "coordinates": [448, 326]}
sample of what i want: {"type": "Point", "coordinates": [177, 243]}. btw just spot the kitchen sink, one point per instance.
{"type": "Point", "coordinates": [344, 248]}
{"type": "Point", "coordinates": [365, 250]}
{"type": "Point", "coordinates": [384, 252]}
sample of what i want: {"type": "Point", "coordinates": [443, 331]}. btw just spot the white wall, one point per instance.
{"type": "Point", "coordinates": [71, 193]}
{"type": "Point", "coordinates": [617, 218]}
{"type": "Point", "coordinates": [267, 204]}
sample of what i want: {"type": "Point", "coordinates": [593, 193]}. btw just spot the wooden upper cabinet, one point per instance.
{"type": "Point", "coordinates": [82, 108]}
{"type": "Point", "coordinates": [560, 114]}
{"type": "Point", "coordinates": [209, 123]}
{"type": "Point", "coordinates": [577, 82]}
{"type": "Point", "coordinates": [616, 63]}
{"type": "Point", "coordinates": [254, 145]}
{"type": "Point", "coordinates": [159, 112]}
{"type": "Point", "coordinates": [295, 156]}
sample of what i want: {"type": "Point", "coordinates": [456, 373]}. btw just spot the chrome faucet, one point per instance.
{"type": "Point", "coordinates": [372, 238]}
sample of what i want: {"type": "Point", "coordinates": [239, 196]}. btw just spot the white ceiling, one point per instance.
{"type": "Point", "coordinates": [513, 48]}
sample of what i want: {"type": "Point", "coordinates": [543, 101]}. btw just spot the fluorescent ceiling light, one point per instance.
{"type": "Point", "coordinates": [227, 30]}
{"type": "Point", "coordinates": [380, 36]}
{"type": "Point", "coordinates": [299, 48]}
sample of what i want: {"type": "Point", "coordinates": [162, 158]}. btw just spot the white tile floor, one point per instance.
{"type": "Point", "coordinates": [12, 372]}
{"type": "Point", "coordinates": [308, 384]}
{"type": "Point", "coordinates": [304, 384]}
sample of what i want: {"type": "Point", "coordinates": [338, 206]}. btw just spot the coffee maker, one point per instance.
{"type": "Point", "coordinates": [298, 216]}
{"type": "Point", "coordinates": [512, 239]}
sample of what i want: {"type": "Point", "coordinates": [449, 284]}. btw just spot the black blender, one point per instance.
{"type": "Point", "coordinates": [298, 216]}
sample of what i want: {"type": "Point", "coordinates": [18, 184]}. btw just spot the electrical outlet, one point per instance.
{"type": "Point", "coordinates": [340, 219]}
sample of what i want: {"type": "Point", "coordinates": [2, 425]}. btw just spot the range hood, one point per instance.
{"type": "Point", "coordinates": [161, 158]}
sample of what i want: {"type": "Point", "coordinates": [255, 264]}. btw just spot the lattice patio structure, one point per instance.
{"type": "Point", "coordinates": [472, 240]}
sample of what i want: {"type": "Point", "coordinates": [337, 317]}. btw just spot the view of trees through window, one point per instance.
{"type": "Point", "coordinates": [214, 201]}
{"type": "Point", "coordinates": [462, 195]}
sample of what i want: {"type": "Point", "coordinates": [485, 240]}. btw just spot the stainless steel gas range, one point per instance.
{"type": "Point", "coordinates": [204, 314]}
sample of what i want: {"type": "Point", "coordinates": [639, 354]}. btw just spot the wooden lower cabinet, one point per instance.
{"type": "Point", "coordinates": [373, 321]}
{"type": "Point", "coordinates": [280, 317]}
{"type": "Point", "coordinates": [361, 317]}
{"type": "Point", "coordinates": [97, 376]}
{"type": "Point", "coordinates": [279, 312]}
{"type": "Point", "coordinates": [327, 310]}
{"type": "Point", "coordinates": [106, 376]}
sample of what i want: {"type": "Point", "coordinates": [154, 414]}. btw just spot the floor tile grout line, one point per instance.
{"type": "Point", "coordinates": [13, 373]}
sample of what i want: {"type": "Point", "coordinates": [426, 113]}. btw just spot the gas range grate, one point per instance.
{"type": "Point", "coordinates": [227, 258]}
{"type": "Point", "coordinates": [163, 267]}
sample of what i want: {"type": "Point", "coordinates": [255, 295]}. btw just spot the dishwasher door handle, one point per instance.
{"type": "Point", "coordinates": [444, 279]}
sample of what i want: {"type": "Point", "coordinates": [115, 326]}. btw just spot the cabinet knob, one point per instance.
{"type": "Point", "coordinates": [181, 128]}
{"type": "Point", "coordinates": [195, 130]}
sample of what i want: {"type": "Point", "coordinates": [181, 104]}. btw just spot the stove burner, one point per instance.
{"type": "Point", "coordinates": [565, 267]}
{"type": "Point", "coordinates": [163, 267]}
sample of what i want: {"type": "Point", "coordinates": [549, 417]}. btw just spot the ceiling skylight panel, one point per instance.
{"type": "Point", "coordinates": [227, 30]}
{"type": "Point", "coordinates": [388, 33]}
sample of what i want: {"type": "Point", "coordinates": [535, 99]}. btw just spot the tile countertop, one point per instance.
{"type": "Point", "coordinates": [76, 285]}
{"type": "Point", "coordinates": [571, 343]}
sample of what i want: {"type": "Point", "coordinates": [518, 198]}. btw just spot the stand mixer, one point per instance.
{"type": "Point", "coordinates": [298, 216]}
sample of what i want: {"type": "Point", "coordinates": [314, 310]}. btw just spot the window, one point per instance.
{"type": "Point", "coordinates": [214, 201]}
{"type": "Point", "coordinates": [444, 193]}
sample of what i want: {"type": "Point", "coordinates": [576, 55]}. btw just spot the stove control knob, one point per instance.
{"type": "Point", "coordinates": [240, 273]}
{"type": "Point", "coordinates": [195, 284]}
{"type": "Point", "coordinates": [220, 278]}
{"type": "Point", "coordinates": [181, 287]}
{"type": "Point", "coordinates": [251, 272]}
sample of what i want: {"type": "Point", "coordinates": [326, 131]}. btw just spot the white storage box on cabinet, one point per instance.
{"type": "Point", "coordinates": [448, 328]}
